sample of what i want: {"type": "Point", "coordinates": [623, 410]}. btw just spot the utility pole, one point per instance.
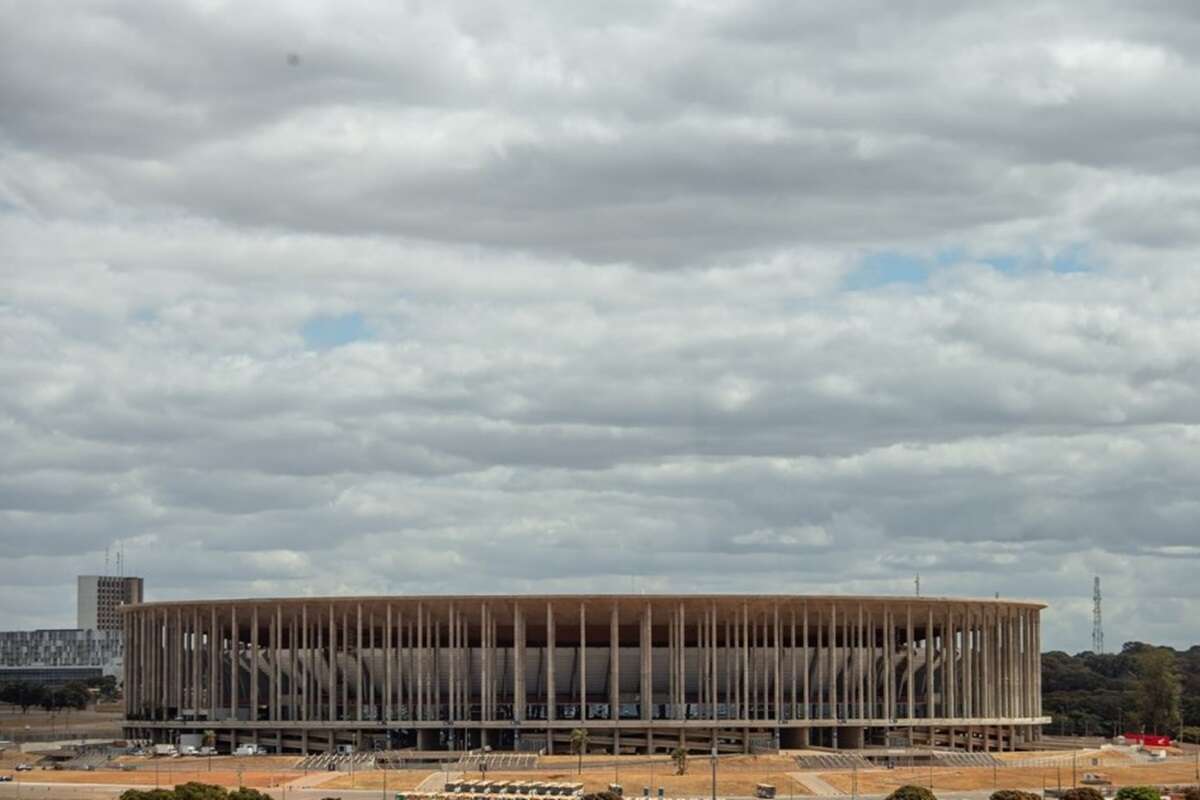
{"type": "Point", "coordinates": [917, 581]}
{"type": "Point", "coordinates": [714, 771]}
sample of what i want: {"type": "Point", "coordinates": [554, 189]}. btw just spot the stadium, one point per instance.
{"type": "Point", "coordinates": [640, 673]}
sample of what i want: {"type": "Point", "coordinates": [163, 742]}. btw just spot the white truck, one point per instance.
{"type": "Point", "coordinates": [249, 750]}
{"type": "Point", "coordinates": [165, 750]}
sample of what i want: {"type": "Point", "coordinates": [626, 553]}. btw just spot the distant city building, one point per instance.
{"type": "Point", "coordinates": [53, 676]}
{"type": "Point", "coordinates": [100, 597]}
{"type": "Point", "coordinates": [96, 647]}
{"type": "Point", "coordinates": [62, 647]}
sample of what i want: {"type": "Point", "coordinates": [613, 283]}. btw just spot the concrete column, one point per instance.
{"type": "Point", "coordinates": [436, 674]}
{"type": "Point", "coordinates": [681, 680]}
{"type": "Point", "coordinates": [713, 663]}
{"type": "Point", "coordinates": [777, 692]}
{"type": "Point", "coordinates": [646, 689]}
{"type": "Point", "coordinates": [277, 664]}
{"type": "Point", "coordinates": [1037, 674]}
{"type": "Point", "coordinates": [582, 663]}
{"type": "Point", "coordinates": [968, 684]}
{"type": "Point", "coordinates": [518, 663]}
{"type": "Point", "coordinates": [805, 660]}
{"type": "Point", "coordinates": [950, 660]}
{"type": "Point", "coordinates": [745, 661]}
{"type": "Point", "coordinates": [822, 658]}
{"type": "Point", "coordinates": [419, 660]}
{"type": "Point", "coordinates": [845, 664]}
{"type": "Point", "coordinates": [388, 655]}
{"type": "Point", "coordinates": [752, 671]}
{"type": "Point", "coordinates": [308, 642]}
{"type": "Point", "coordinates": [403, 666]}
{"type": "Point", "coordinates": [833, 662]}
{"type": "Point", "coordinates": [672, 619]}
{"type": "Point", "coordinates": [332, 666]}
{"type": "Point", "coordinates": [452, 656]}
{"type": "Point", "coordinates": [614, 663]}
{"type": "Point", "coordinates": [485, 650]}
{"type": "Point", "coordinates": [551, 688]}
{"type": "Point", "coordinates": [930, 658]}
{"type": "Point", "coordinates": [358, 681]}
{"type": "Point", "coordinates": [175, 652]}
{"type": "Point", "coordinates": [293, 683]}
{"type": "Point", "coordinates": [727, 660]}
{"type": "Point", "coordinates": [495, 657]}
{"type": "Point", "coordinates": [872, 667]}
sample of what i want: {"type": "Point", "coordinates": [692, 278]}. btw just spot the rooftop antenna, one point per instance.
{"type": "Point", "coordinates": [917, 581]}
{"type": "Point", "coordinates": [107, 571]}
{"type": "Point", "coordinates": [1097, 625]}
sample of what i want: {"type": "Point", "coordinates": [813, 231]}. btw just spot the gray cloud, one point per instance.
{"type": "Point", "coordinates": [658, 298]}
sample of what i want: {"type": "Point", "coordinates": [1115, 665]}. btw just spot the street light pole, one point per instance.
{"type": "Point", "coordinates": [714, 771]}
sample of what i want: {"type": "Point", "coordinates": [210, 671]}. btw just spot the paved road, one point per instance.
{"type": "Point", "coordinates": [103, 791]}
{"type": "Point", "coordinates": [98, 791]}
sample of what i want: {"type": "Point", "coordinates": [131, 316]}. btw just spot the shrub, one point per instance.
{"type": "Point", "coordinates": [1082, 793]}
{"type": "Point", "coordinates": [1138, 793]}
{"type": "Point", "coordinates": [246, 793]}
{"type": "Point", "coordinates": [200, 791]}
{"type": "Point", "coordinates": [912, 793]}
{"type": "Point", "coordinates": [1191, 793]}
{"type": "Point", "coordinates": [1014, 794]}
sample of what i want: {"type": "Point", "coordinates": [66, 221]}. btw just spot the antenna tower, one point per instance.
{"type": "Point", "coordinates": [1097, 626]}
{"type": "Point", "coordinates": [917, 581]}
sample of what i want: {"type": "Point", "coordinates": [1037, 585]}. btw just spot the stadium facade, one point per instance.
{"type": "Point", "coordinates": [639, 673]}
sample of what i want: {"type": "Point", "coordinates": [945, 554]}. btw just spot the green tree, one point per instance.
{"type": "Point", "coordinates": [1158, 690]}
{"type": "Point", "coordinates": [912, 793]}
{"type": "Point", "coordinates": [1082, 793]}
{"type": "Point", "coordinates": [679, 756]}
{"type": "Point", "coordinates": [579, 743]}
{"type": "Point", "coordinates": [1138, 793]}
{"type": "Point", "coordinates": [73, 695]}
{"type": "Point", "coordinates": [246, 793]}
{"type": "Point", "coordinates": [23, 694]}
{"type": "Point", "coordinates": [1013, 794]}
{"type": "Point", "coordinates": [105, 686]}
{"type": "Point", "coordinates": [200, 791]}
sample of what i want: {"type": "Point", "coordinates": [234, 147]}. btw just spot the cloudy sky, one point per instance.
{"type": "Point", "coordinates": [321, 298]}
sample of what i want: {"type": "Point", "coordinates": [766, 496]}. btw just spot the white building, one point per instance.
{"type": "Point", "coordinates": [99, 598]}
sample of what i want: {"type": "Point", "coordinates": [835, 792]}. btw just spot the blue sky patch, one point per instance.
{"type": "Point", "coordinates": [1072, 259]}
{"type": "Point", "coordinates": [881, 269]}
{"type": "Point", "coordinates": [326, 332]}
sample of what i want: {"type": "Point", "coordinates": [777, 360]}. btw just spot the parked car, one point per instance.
{"type": "Point", "coordinates": [24, 768]}
{"type": "Point", "coordinates": [5, 778]}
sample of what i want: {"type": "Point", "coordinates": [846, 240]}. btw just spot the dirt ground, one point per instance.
{"type": "Point", "coordinates": [201, 763]}
{"type": "Point", "coordinates": [166, 777]}
{"type": "Point", "coordinates": [735, 776]}
{"type": "Point", "coordinates": [1115, 767]}
{"type": "Point", "coordinates": [398, 779]}
{"type": "Point", "coordinates": [12, 721]}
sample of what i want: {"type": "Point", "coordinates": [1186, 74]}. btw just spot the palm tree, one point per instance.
{"type": "Point", "coordinates": [679, 756]}
{"type": "Point", "coordinates": [579, 743]}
